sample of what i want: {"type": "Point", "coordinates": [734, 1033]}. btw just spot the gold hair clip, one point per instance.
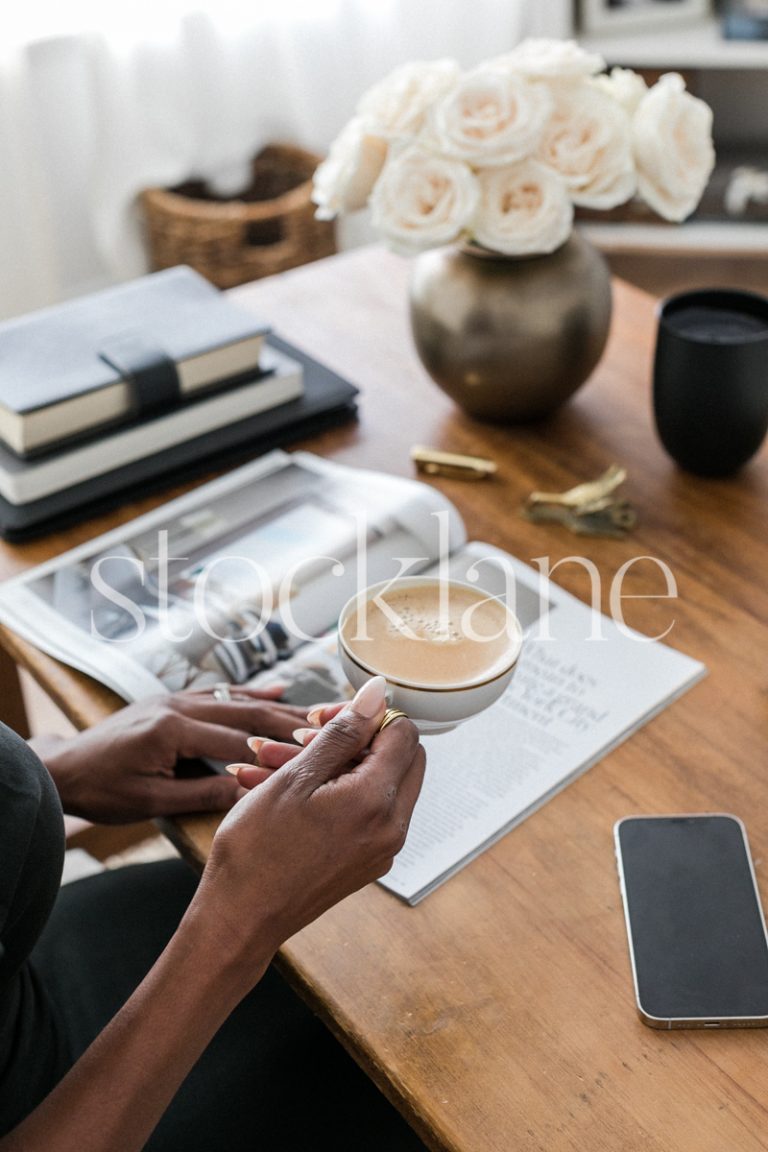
{"type": "Point", "coordinates": [589, 509]}
{"type": "Point", "coordinates": [433, 462]}
{"type": "Point", "coordinates": [584, 496]}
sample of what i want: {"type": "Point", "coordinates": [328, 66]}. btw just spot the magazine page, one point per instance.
{"type": "Point", "coordinates": [582, 687]}
{"type": "Point", "coordinates": [231, 578]}
{"type": "Point", "coordinates": [578, 692]}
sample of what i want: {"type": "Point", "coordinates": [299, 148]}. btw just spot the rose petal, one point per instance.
{"type": "Point", "coordinates": [397, 105]}
{"type": "Point", "coordinates": [556, 59]}
{"type": "Point", "coordinates": [422, 199]}
{"type": "Point", "coordinates": [524, 210]}
{"type": "Point", "coordinates": [343, 182]}
{"type": "Point", "coordinates": [672, 137]}
{"type": "Point", "coordinates": [490, 117]}
{"type": "Point", "coordinates": [588, 143]}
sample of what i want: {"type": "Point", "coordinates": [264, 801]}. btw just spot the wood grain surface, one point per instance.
{"type": "Point", "coordinates": [498, 1015]}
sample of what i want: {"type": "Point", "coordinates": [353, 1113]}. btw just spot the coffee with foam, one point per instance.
{"type": "Point", "coordinates": [432, 635]}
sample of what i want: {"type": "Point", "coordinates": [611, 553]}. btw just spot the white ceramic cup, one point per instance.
{"type": "Point", "coordinates": [432, 709]}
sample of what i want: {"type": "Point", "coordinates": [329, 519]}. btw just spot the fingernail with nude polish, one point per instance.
{"type": "Point", "coordinates": [255, 743]}
{"type": "Point", "coordinates": [304, 735]}
{"type": "Point", "coordinates": [371, 698]}
{"type": "Point", "coordinates": [233, 769]}
{"type": "Point", "coordinates": [315, 715]}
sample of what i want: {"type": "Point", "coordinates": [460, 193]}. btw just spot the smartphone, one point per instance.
{"type": "Point", "coordinates": [697, 938]}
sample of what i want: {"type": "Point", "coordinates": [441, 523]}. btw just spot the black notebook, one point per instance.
{"type": "Point", "coordinates": [327, 400]}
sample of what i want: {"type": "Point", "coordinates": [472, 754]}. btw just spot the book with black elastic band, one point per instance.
{"type": "Point", "coordinates": [326, 401]}
{"type": "Point", "coordinates": [129, 352]}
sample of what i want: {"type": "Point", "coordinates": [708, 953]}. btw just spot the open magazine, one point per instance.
{"type": "Point", "coordinates": [242, 580]}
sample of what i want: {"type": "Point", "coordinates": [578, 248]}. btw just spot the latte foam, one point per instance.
{"type": "Point", "coordinates": [413, 635]}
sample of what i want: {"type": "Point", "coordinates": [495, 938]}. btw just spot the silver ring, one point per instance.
{"type": "Point", "coordinates": [222, 693]}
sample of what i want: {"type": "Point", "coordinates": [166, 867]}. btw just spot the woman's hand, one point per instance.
{"type": "Point", "coordinates": [270, 753]}
{"type": "Point", "coordinates": [123, 768]}
{"type": "Point", "coordinates": [327, 822]}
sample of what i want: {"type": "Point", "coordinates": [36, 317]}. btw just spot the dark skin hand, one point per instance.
{"type": "Point", "coordinates": [123, 769]}
{"type": "Point", "coordinates": [339, 810]}
{"type": "Point", "coordinates": [269, 753]}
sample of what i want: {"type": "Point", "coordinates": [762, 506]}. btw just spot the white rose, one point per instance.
{"type": "Point", "coordinates": [555, 59]}
{"type": "Point", "coordinates": [490, 117]}
{"type": "Point", "coordinates": [422, 199]}
{"type": "Point", "coordinates": [672, 137]}
{"type": "Point", "coordinates": [397, 105]}
{"type": "Point", "coordinates": [624, 86]}
{"type": "Point", "coordinates": [343, 182]}
{"type": "Point", "coordinates": [588, 142]}
{"type": "Point", "coordinates": [524, 210]}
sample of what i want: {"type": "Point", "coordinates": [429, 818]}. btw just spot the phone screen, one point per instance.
{"type": "Point", "coordinates": [696, 930]}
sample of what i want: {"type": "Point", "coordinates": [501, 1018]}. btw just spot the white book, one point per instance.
{"type": "Point", "coordinates": [22, 481]}
{"type": "Point", "coordinates": [583, 685]}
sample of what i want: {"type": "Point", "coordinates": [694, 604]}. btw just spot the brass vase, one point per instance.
{"type": "Point", "coordinates": [510, 338]}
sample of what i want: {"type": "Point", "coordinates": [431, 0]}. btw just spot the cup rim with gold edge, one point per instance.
{"type": "Point", "coordinates": [420, 686]}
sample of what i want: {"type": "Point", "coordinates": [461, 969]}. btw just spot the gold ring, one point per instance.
{"type": "Point", "coordinates": [390, 715]}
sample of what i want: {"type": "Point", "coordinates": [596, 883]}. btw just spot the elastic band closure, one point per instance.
{"type": "Point", "coordinates": [149, 371]}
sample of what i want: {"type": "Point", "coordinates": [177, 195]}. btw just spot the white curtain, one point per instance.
{"type": "Point", "coordinates": [96, 106]}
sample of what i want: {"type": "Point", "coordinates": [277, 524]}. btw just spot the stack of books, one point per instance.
{"type": "Point", "coordinates": [141, 384]}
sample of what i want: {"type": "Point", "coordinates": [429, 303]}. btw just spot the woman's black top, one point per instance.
{"type": "Point", "coordinates": [32, 1054]}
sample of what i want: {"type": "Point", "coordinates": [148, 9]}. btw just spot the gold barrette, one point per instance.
{"type": "Point", "coordinates": [590, 509]}
{"type": "Point", "coordinates": [433, 462]}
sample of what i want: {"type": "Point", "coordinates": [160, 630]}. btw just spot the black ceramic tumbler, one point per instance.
{"type": "Point", "coordinates": [710, 383]}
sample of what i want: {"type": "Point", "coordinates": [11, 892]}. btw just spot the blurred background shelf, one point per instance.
{"type": "Point", "coordinates": [702, 239]}
{"type": "Point", "coordinates": [699, 45]}
{"type": "Point", "coordinates": [716, 246]}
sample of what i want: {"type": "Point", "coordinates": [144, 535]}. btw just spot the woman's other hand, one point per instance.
{"type": "Point", "coordinates": [123, 769]}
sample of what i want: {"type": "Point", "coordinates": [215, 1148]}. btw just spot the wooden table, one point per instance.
{"type": "Point", "coordinates": [498, 1014]}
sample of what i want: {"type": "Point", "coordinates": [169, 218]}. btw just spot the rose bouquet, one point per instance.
{"type": "Point", "coordinates": [500, 155]}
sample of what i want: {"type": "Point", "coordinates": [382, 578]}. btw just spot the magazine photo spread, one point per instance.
{"type": "Point", "coordinates": [242, 581]}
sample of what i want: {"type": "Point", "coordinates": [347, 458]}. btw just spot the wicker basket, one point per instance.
{"type": "Point", "coordinates": [266, 229]}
